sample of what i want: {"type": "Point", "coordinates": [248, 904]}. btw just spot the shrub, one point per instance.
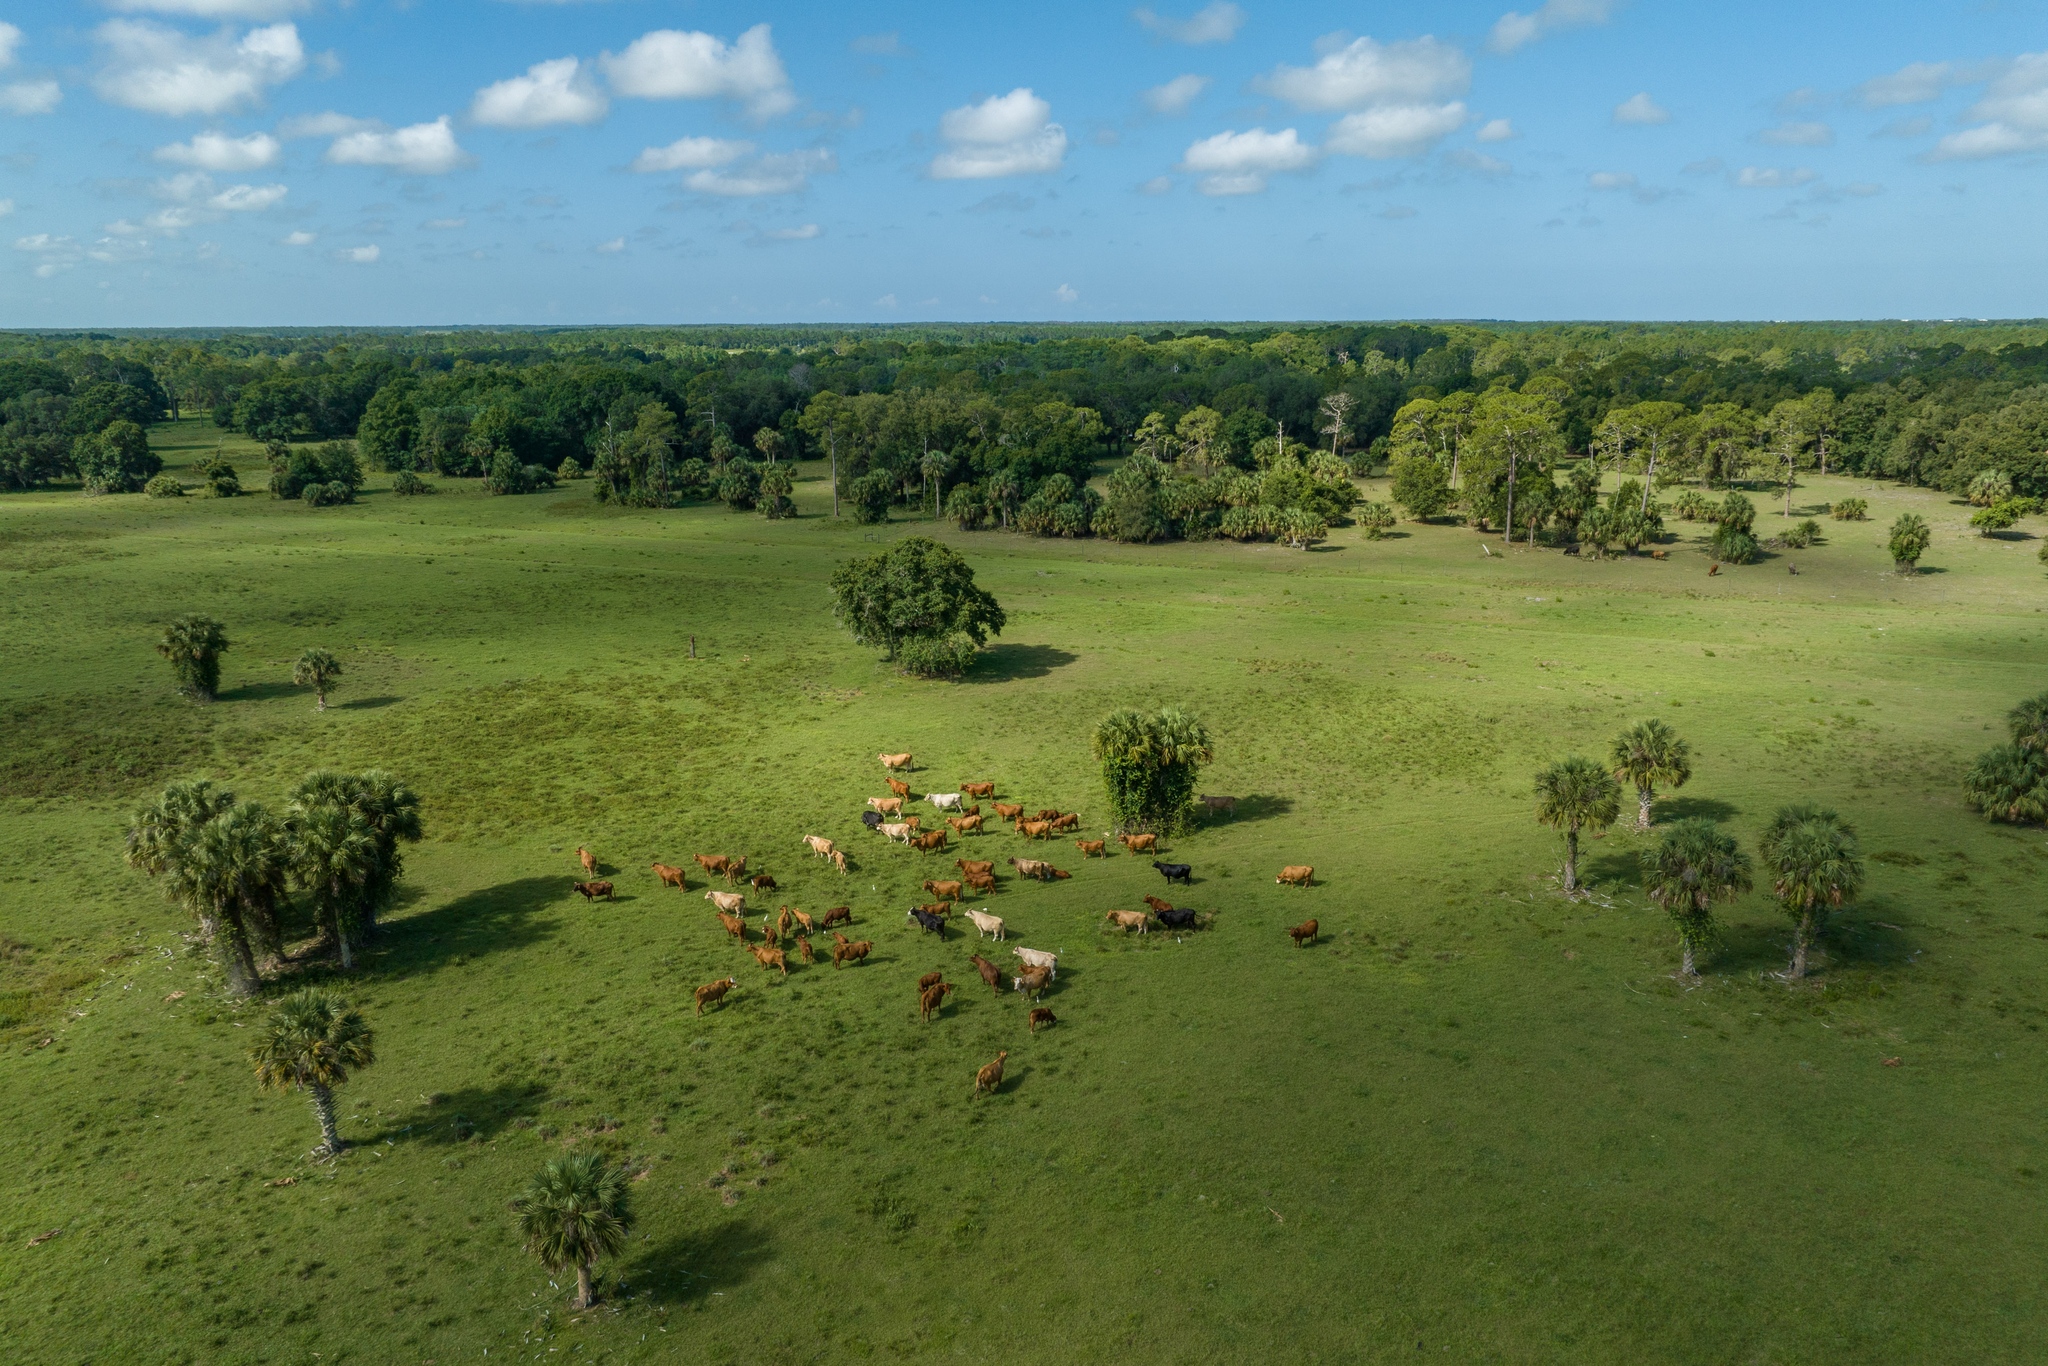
{"type": "Point", "coordinates": [1243, 524]}
{"type": "Point", "coordinates": [739, 488]}
{"type": "Point", "coordinates": [1377, 519]}
{"type": "Point", "coordinates": [568, 469]}
{"type": "Point", "coordinates": [118, 460]}
{"type": "Point", "coordinates": [221, 479]}
{"type": "Point", "coordinates": [967, 506]}
{"type": "Point", "coordinates": [1802, 536]}
{"type": "Point", "coordinates": [937, 656]}
{"type": "Point", "coordinates": [406, 484]}
{"type": "Point", "coordinates": [1736, 512]}
{"type": "Point", "coordinates": [194, 646]}
{"type": "Point", "coordinates": [1851, 510]}
{"type": "Point", "coordinates": [164, 486]}
{"type": "Point", "coordinates": [505, 475]}
{"type": "Point", "coordinates": [327, 495]}
{"type": "Point", "coordinates": [1421, 486]}
{"type": "Point", "coordinates": [1299, 528]}
{"type": "Point", "coordinates": [1134, 503]}
{"type": "Point", "coordinates": [1692, 506]}
{"type": "Point", "coordinates": [2009, 783]}
{"type": "Point", "coordinates": [1909, 541]}
{"type": "Point", "coordinates": [292, 470]}
{"type": "Point", "coordinates": [871, 495]}
{"type": "Point", "coordinates": [1997, 517]}
{"type": "Point", "coordinates": [1990, 487]}
{"type": "Point", "coordinates": [776, 486]}
{"type": "Point", "coordinates": [1735, 547]}
{"type": "Point", "coordinates": [537, 477]}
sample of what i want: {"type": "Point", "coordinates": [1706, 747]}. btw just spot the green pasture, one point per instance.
{"type": "Point", "coordinates": [1477, 1122]}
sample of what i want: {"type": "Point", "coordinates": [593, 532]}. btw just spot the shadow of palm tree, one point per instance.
{"type": "Point", "coordinates": [1683, 808]}
{"type": "Point", "coordinates": [264, 692]}
{"type": "Point", "coordinates": [1001, 663]}
{"type": "Point", "coordinates": [696, 1263]}
{"type": "Point", "coordinates": [456, 1117]}
{"type": "Point", "coordinates": [1256, 806]}
{"type": "Point", "coordinates": [366, 703]}
{"type": "Point", "coordinates": [479, 922]}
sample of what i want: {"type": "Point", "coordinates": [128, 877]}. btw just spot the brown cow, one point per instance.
{"type": "Point", "coordinates": [1070, 821]}
{"type": "Point", "coordinates": [1007, 811]}
{"type": "Point", "coordinates": [938, 908]}
{"type": "Point", "coordinates": [979, 789]}
{"type": "Point", "coordinates": [734, 926]}
{"type": "Point", "coordinates": [670, 877]}
{"type": "Point", "coordinates": [1139, 844]}
{"type": "Point", "coordinates": [1156, 904]}
{"type": "Point", "coordinates": [990, 973]}
{"type": "Point", "coordinates": [804, 921]}
{"type": "Point", "coordinates": [896, 761]}
{"type": "Point", "coordinates": [929, 978]}
{"type": "Point", "coordinates": [735, 869]}
{"type": "Point", "coordinates": [1304, 933]}
{"type": "Point", "coordinates": [933, 1000]}
{"type": "Point", "coordinates": [1131, 920]}
{"type": "Point", "coordinates": [769, 957]}
{"type": "Point", "coordinates": [589, 859]}
{"type": "Point", "coordinates": [768, 933]}
{"type": "Point", "coordinates": [711, 993]}
{"type": "Point", "coordinates": [710, 863]}
{"type": "Point", "coordinates": [949, 890]}
{"type": "Point", "coordinates": [843, 952]}
{"type": "Point", "coordinates": [805, 945]}
{"type": "Point", "coordinates": [593, 890]}
{"type": "Point", "coordinates": [981, 882]}
{"type": "Point", "coordinates": [990, 1077]}
{"type": "Point", "coordinates": [928, 843]}
{"type": "Point", "coordinates": [1057, 874]}
{"type": "Point", "coordinates": [783, 921]}
{"type": "Point", "coordinates": [1041, 1016]}
{"type": "Point", "coordinates": [962, 824]}
{"type": "Point", "coordinates": [1032, 981]}
{"type": "Point", "coordinates": [764, 883]}
{"type": "Point", "coordinates": [898, 786]}
{"type": "Point", "coordinates": [1091, 848]}
{"type": "Point", "coordinates": [1030, 867]}
{"type": "Point", "coordinates": [1034, 830]}
{"type": "Point", "coordinates": [1296, 875]}
{"type": "Point", "coordinates": [1048, 813]}
{"type": "Point", "coordinates": [971, 866]}
{"type": "Point", "coordinates": [838, 915]}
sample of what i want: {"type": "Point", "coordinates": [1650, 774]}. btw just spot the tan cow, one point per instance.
{"type": "Point", "coordinates": [1131, 920]}
{"type": "Point", "coordinates": [1140, 844]}
{"type": "Point", "coordinates": [971, 866]}
{"type": "Point", "coordinates": [588, 859]}
{"type": "Point", "coordinates": [962, 824]}
{"type": "Point", "coordinates": [985, 883]}
{"type": "Point", "coordinates": [888, 806]}
{"type": "Point", "coordinates": [1091, 848]}
{"type": "Point", "coordinates": [670, 877]}
{"type": "Point", "coordinates": [1034, 830]}
{"type": "Point", "coordinates": [710, 863]}
{"type": "Point", "coordinates": [839, 860]}
{"type": "Point", "coordinates": [732, 903]}
{"type": "Point", "coordinates": [769, 957]}
{"type": "Point", "coordinates": [898, 786]}
{"type": "Point", "coordinates": [1038, 958]}
{"type": "Point", "coordinates": [990, 926]}
{"type": "Point", "coordinates": [1296, 875]}
{"type": "Point", "coordinates": [1031, 867]}
{"type": "Point", "coordinates": [711, 993]}
{"type": "Point", "coordinates": [990, 1078]}
{"type": "Point", "coordinates": [896, 830]}
{"type": "Point", "coordinates": [936, 840]}
{"type": "Point", "coordinates": [897, 762]}
{"type": "Point", "coordinates": [804, 921]}
{"type": "Point", "coordinates": [820, 846]}
{"type": "Point", "coordinates": [945, 891]}
{"type": "Point", "coordinates": [1006, 811]}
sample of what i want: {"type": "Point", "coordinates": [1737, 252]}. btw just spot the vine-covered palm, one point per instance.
{"type": "Point", "coordinates": [1650, 755]}
{"type": "Point", "coordinates": [194, 646]}
{"type": "Point", "coordinates": [1815, 867]}
{"type": "Point", "coordinates": [1572, 795]}
{"type": "Point", "coordinates": [573, 1213]}
{"type": "Point", "coordinates": [317, 669]}
{"type": "Point", "coordinates": [313, 1042]}
{"type": "Point", "coordinates": [1693, 866]}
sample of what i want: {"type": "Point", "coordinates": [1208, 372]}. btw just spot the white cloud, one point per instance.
{"type": "Point", "coordinates": [248, 198]}
{"type": "Point", "coordinates": [1772, 178]}
{"type": "Point", "coordinates": [1514, 31]}
{"type": "Point", "coordinates": [1233, 163]}
{"type": "Point", "coordinates": [162, 71]}
{"type": "Point", "coordinates": [669, 64]}
{"type": "Point", "coordinates": [691, 154]}
{"type": "Point", "coordinates": [1004, 135]}
{"type": "Point", "coordinates": [55, 253]}
{"type": "Point", "coordinates": [1478, 161]}
{"type": "Point", "coordinates": [1611, 180]}
{"type": "Point", "coordinates": [30, 97]}
{"type": "Point", "coordinates": [1395, 130]}
{"type": "Point", "coordinates": [1640, 110]}
{"type": "Point", "coordinates": [219, 152]}
{"type": "Point", "coordinates": [215, 9]}
{"type": "Point", "coordinates": [886, 301]}
{"type": "Point", "coordinates": [10, 42]}
{"type": "Point", "coordinates": [1495, 130]}
{"type": "Point", "coordinates": [558, 91]}
{"type": "Point", "coordinates": [1798, 135]}
{"type": "Point", "coordinates": [611, 248]}
{"type": "Point", "coordinates": [1157, 185]}
{"type": "Point", "coordinates": [1176, 95]}
{"type": "Point", "coordinates": [1364, 73]}
{"type": "Point", "coordinates": [804, 233]}
{"type": "Point", "coordinates": [1066, 294]}
{"type": "Point", "coordinates": [327, 125]}
{"type": "Point", "coordinates": [777, 173]}
{"type": "Point", "coordinates": [1914, 83]}
{"type": "Point", "coordinates": [301, 238]}
{"type": "Point", "coordinates": [2015, 113]}
{"type": "Point", "coordinates": [422, 149]}
{"type": "Point", "coordinates": [1214, 23]}
{"type": "Point", "coordinates": [358, 256]}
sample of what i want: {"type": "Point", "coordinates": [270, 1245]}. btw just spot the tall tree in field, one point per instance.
{"type": "Point", "coordinates": [1650, 755]}
{"type": "Point", "coordinates": [316, 669]}
{"type": "Point", "coordinates": [573, 1213]}
{"type": "Point", "coordinates": [826, 421]}
{"type": "Point", "coordinates": [165, 840]}
{"type": "Point", "coordinates": [1909, 541]}
{"type": "Point", "coordinates": [1336, 413]}
{"type": "Point", "coordinates": [239, 864]}
{"type": "Point", "coordinates": [346, 829]}
{"type": "Point", "coordinates": [1815, 867]}
{"type": "Point", "coordinates": [312, 1042]}
{"type": "Point", "coordinates": [194, 645]}
{"type": "Point", "coordinates": [1572, 795]}
{"type": "Point", "coordinates": [917, 588]}
{"type": "Point", "coordinates": [2029, 722]}
{"type": "Point", "coordinates": [1150, 765]}
{"type": "Point", "coordinates": [1644, 435]}
{"type": "Point", "coordinates": [1693, 866]}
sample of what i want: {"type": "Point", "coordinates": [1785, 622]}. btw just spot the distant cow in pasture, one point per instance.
{"type": "Point", "coordinates": [962, 824]}
{"type": "Point", "coordinates": [944, 801]}
{"type": "Point", "coordinates": [712, 864]}
{"type": "Point", "coordinates": [1032, 982]}
{"type": "Point", "coordinates": [1039, 958]}
{"type": "Point", "coordinates": [820, 846]}
{"type": "Point", "coordinates": [732, 903]}
{"type": "Point", "coordinates": [1296, 875]}
{"type": "Point", "coordinates": [896, 830]}
{"type": "Point", "coordinates": [888, 806]}
{"type": "Point", "coordinates": [1157, 905]}
{"type": "Point", "coordinates": [971, 866]}
{"type": "Point", "coordinates": [949, 891]}
{"type": "Point", "coordinates": [734, 926]}
{"type": "Point", "coordinates": [1304, 933]}
{"type": "Point", "coordinates": [898, 786]}
{"type": "Point", "coordinates": [670, 876]}
{"type": "Point", "coordinates": [991, 975]}
{"type": "Point", "coordinates": [871, 819]}
{"type": "Point", "coordinates": [804, 921]}
{"type": "Point", "coordinates": [933, 999]}
{"type": "Point", "coordinates": [1033, 830]}
{"type": "Point", "coordinates": [1181, 919]}
{"type": "Point", "coordinates": [1070, 821]}
{"type": "Point", "coordinates": [735, 869]}
{"type": "Point", "coordinates": [1041, 1016]}
{"type": "Point", "coordinates": [1131, 920]}
{"type": "Point", "coordinates": [1048, 813]}
{"type": "Point", "coordinates": [711, 993]}
{"type": "Point", "coordinates": [1006, 811]}
{"type": "Point", "coordinates": [784, 920]}
{"type": "Point", "coordinates": [1030, 867]}
{"type": "Point", "coordinates": [768, 956]}
{"type": "Point", "coordinates": [936, 840]}
{"type": "Point", "coordinates": [855, 952]}
{"type": "Point", "coordinates": [1175, 872]}
{"type": "Point", "coordinates": [1139, 844]}
{"type": "Point", "coordinates": [839, 860]}
{"type": "Point", "coordinates": [990, 1077]}
{"type": "Point", "coordinates": [588, 859]}
{"type": "Point", "coordinates": [931, 924]}
{"type": "Point", "coordinates": [984, 883]}
{"type": "Point", "coordinates": [764, 883]}
{"type": "Point", "coordinates": [928, 979]}
{"type": "Point", "coordinates": [593, 890]}
{"type": "Point", "coordinates": [1092, 848]}
{"type": "Point", "coordinates": [896, 762]}
{"type": "Point", "coordinates": [979, 789]}
{"type": "Point", "coordinates": [987, 925]}
{"type": "Point", "coordinates": [838, 915]}
{"type": "Point", "coordinates": [810, 954]}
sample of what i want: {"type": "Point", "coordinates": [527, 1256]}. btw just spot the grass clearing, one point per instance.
{"type": "Point", "coordinates": [1477, 1122]}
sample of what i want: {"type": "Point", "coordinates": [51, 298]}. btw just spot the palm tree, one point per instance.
{"type": "Point", "coordinates": [1647, 754]}
{"type": "Point", "coordinates": [178, 838]}
{"type": "Point", "coordinates": [1691, 868]}
{"type": "Point", "coordinates": [2029, 722]}
{"type": "Point", "coordinates": [1815, 868]}
{"type": "Point", "coordinates": [1573, 795]}
{"type": "Point", "coordinates": [2009, 783]}
{"type": "Point", "coordinates": [310, 1043]}
{"type": "Point", "coordinates": [193, 645]}
{"type": "Point", "coordinates": [316, 669]}
{"type": "Point", "coordinates": [246, 858]}
{"type": "Point", "coordinates": [158, 835]}
{"type": "Point", "coordinates": [334, 856]}
{"type": "Point", "coordinates": [573, 1213]}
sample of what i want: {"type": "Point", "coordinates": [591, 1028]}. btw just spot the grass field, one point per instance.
{"type": "Point", "coordinates": [1478, 1122]}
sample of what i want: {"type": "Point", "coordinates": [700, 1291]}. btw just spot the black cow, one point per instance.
{"type": "Point", "coordinates": [1177, 919]}
{"type": "Point", "coordinates": [1175, 872]}
{"type": "Point", "coordinates": [933, 924]}
{"type": "Point", "coordinates": [871, 819]}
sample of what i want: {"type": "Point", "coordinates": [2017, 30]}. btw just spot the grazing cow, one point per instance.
{"type": "Point", "coordinates": [871, 819]}
{"type": "Point", "coordinates": [898, 786]}
{"type": "Point", "coordinates": [1139, 844]}
{"type": "Point", "coordinates": [944, 801]}
{"type": "Point", "coordinates": [1182, 919]}
{"type": "Point", "coordinates": [710, 863]}
{"type": "Point", "coordinates": [971, 866]}
{"type": "Point", "coordinates": [839, 860]}
{"type": "Point", "coordinates": [1032, 982]}
{"type": "Point", "coordinates": [1039, 958]}
{"type": "Point", "coordinates": [984, 883]}
{"type": "Point", "coordinates": [1048, 813]}
{"type": "Point", "coordinates": [1041, 1016]}
{"type": "Point", "coordinates": [929, 978]}
{"type": "Point", "coordinates": [932, 924]}
{"type": "Point", "coordinates": [962, 824]}
{"type": "Point", "coordinates": [942, 909]}
{"type": "Point", "coordinates": [949, 891]}
{"type": "Point", "coordinates": [1007, 811]}
{"type": "Point", "coordinates": [804, 921]}
{"type": "Point", "coordinates": [896, 762]}
{"type": "Point", "coordinates": [1131, 920]}
{"type": "Point", "coordinates": [805, 944]}
{"type": "Point", "coordinates": [1034, 830]}
{"type": "Point", "coordinates": [735, 869]}
{"type": "Point", "coordinates": [888, 806]}
{"type": "Point", "coordinates": [764, 883]}
{"type": "Point", "coordinates": [1176, 872]}
{"type": "Point", "coordinates": [733, 903]}
{"type": "Point", "coordinates": [935, 840]}
{"type": "Point", "coordinates": [593, 890]}
{"type": "Point", "coordinates": [1091, 848]}
{"type": "Point", "coordinates": [1157, 905]}
{"type": "Point", "coordinates": [974, 810]}
{"type": "Point", "coordinates": [991, 975]}
{"type": "Point", "coordinates": [986, 924]}
{"type": "Point", "coordinates": [1304, 933]}
{"type": "Point", "coordinates": [990, 1077]}
{"type": "Point", "coordinates": [857, 951]}
{"type": "Point", "coordinates": [768, 956]}
{"type": "Point", "coordinates": [1296, 875]}
{"type": "Point", "coordinates": [979, 789]}
{"type": "Point", "coordinates": [820, 846]}
{"type": "Point", "coordinates": [734, 926]}
{"type": "Point", "coordinates": [783, 921]}
{"type": "Point", "coordinates": [711, 993]}
{"type": "Point", "coordinates": [1225, 804]}
{"type": "Point", "coordinates": [838, 915]}
{"type": "Point", "coordinates": [1030, 867]}
{"type": "Point", "coordinates": [589, 859]}
{"type": "Point", "coordinates": [1057, 874]}
{"type": "Point", "coordinates": [932, 999]}
{"type": "Point", "coordinates": [1070, 821]}
{"type": "Point", "coordinates": [670, 877]}
{"type": "Point", "coordinates": [769, 935]}
{"type": "Point", "coordinates": [895, 830]}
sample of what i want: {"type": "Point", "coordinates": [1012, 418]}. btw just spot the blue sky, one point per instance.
{"type": "Point", "coordinates": [251, 162]}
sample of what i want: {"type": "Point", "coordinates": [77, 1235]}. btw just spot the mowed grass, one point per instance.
{"type": "Point", "coordinates": [1476, 1122]}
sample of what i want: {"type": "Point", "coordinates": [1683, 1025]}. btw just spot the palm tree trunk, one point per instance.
{"type": "Point", "coordinates": [319, 699]}
{"type": "Point", "coordinates": [232, 939]}
{"type": "Point", "coordinates": [1686, 968]}
{"type": "Point", "coordinates": [583, 1295]}
{"type": "Point", "coordinates": [1644, 796]}
{"type": "Point", "coordinates": [1801, 937]}
{"type": "Point", "coordinates": [323, 1109]}
{"type": "Point", "coordinates": [1571, 860]}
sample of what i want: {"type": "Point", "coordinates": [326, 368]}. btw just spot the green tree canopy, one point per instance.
{"type": "Point", "coordinates": [316, 669]}
{"type": "Point", "coordinates": [1815, 867]}
{"type": "Point", "coordinates": [916, 589]}
{"type": "Point", "coordinates": [1150, 764]}
{"type": "Point", "coordinates": [1649, 754]}
{"type": "Point", "coordinates": [194, 645]}
{"type": "Point", "coordinates": [574, 1213]}
{"type": "Point", "coordinates": [1572, 795]}
{"type": "Point", "coordinates": [312, 1042]}
{"type": "Point", "coordinates": [1693, 866]}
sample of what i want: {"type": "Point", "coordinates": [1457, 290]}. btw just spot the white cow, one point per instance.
{"type": "Point", "coordinates": [896, 830]}
{"type": "Point", "coordinates": [991, 925]}
{"type": "Point", "coordinates": [944, 801]}
{"type": "Point", "coordinates": [1039, 958]}
{"type": "Point", "coordinates": [732, 903]}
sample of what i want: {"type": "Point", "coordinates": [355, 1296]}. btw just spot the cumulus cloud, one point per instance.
{"type": "Point", "coordinates": [775, 174]}
{"type": "Point", "coordinates": [159, 70]}
{"type": "Point", "coordinates": [1395, 130]}
{"type": "Point", "coordinates": [1176, 95]}
{"type": "Point", "coordinates": [10, 43]}
{"type": "Point", "coordinates": [327, 125]}
{"type": "Point", "coordinates": [1774, 178]}
{"type": "Point", "coordinates": [2014, 114]}
{"type": "Point", "coordinates": [1363, 73]}
{"type": "Point", "coordinates": [1214, 23]}
{"type": "Point", "coordinates": [30, 97]}
{"type": "Point", "coordinates": [558, 91]}
{"type": "Point", "coordinates": [1066, 294]}
{"type": "Point", "coordinates": [1639, 110]}
{"type": "Point", "coordinates": [220, 152]}
{"type": "Point", "coordinates": [1004, 135]}
{"type": "Point", "coordinates": [1495, 130]}
{"type": "Point", "coordinates": [301, 238]}
{"type": "Point", "coordinates": [359, 256]}
{"type": "Point", "coordinates": [421, 149]}
{"type": "Point", "coordinates": [1233, 163]}
{"type": "Point", "coordinates": [215, 9]}
{"type": "Point", "coordinates": [611, 248]}
{"type": "Point", "coordinates": [248, 198]}
{"type": "Point", "coordinates": [1514, 30]}
{"type": "Point", "coordinates": [52, 253]}
{"type": "Point", "coordinates": [1798, 135]}
{"type": "Point", "coordinates": [1914, 83]}
{"type": "Point", "coordinates": [691, 154]}
{"type": "Point", "coordinates": [1611, 180]}
{"type": "Point", "coordinates": [669, 64]}
{"type": "Point", "coordinates": [1157, 185]}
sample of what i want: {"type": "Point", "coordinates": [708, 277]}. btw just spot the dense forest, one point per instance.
{"type": "Point", "coordinates": [1006, 425]}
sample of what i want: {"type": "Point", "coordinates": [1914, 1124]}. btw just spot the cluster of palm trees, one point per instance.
{"type": "Point", "coordinates": [2010, 782]}
{"type": "Point", "coordinates": [231, 863]}
{"type": "Point", "coordinates": [1810, 852]}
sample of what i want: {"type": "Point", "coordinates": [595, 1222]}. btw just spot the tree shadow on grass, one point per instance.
{"type": "Point", "coordinates": [1254, 806]}
{"type": "Point", "coordinates": [453, 1118]}
{"type": "Point", "coordinates": [1684, 808]}
{"type": "Point", "coordinates": [490, 919]}
{"type": "Point", "coordinates": [1001, 663]}
{"type": "Point", "coordinates": [264, 692]}
{"type": "Point", "coordinates": [693, 1264]}
{"type": "Point", "coordinates": [1611, 868]}
{"type": "Point", "coordinates": [366, 703]}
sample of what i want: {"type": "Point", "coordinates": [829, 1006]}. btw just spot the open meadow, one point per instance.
{"type": "Point", "coordinates": [1476, 1121]}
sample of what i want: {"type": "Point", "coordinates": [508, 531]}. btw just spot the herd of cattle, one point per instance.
{"type": "Point", "coordinates": [1037, 968]}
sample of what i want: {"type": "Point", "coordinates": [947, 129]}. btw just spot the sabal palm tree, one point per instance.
{"type": "Point", "coordinates": [312, 1042]}
{"type": "Point", "coordinates": [334, 856]}
{"type": "Point", "coordinates": [1815, 866]}
{"type": "Point", "coordinates": [1179, 739]}
{"type": "Point", "coordinates": [1695, 865]}
{"type": "Point", "coordinates": [175, 838]}
{"type": "Point", "coordinates": [932, 469]}
{"type": "Point", "coordinates": [245, 857]}
{"type": "Point", "coordinates": [2009, 783]}
{"type": "Point", "coordinates": [574, 1212]}
{"type": "Point", "coordinates": [1650, 754]}
{"type": "Point", "coordinates": [316, 669]}
{"type": "Point", "coordinates": [158, 835]}
{"type": "Point", "coordinates": [194, 646]}
{"type": "Point", "coordinates": [2029, 722]}
{"type": "Point", "coordinates": [1572, 795]}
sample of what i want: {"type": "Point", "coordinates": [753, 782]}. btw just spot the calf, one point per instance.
{"type": "Point", "coordinates": [711, 993]}
{"type": "Point", "coordinates": [932, 924]}
{"type": "Point", "coordinates": [820, 846]}
{"type": "Point", "coordinates": [593, 890]}
{"type": "Point", "coordinates": [764, 883]}
{"type": "Point", "coordinates": [1139, 844]}
{"type": "Point", "coordinates": [986, 924]}
{"type": "Point", "coordinates": [838, 915]}
{"type": "Point", "coordinates": [984, 883]}
{"type": "Point", "coordinates": [1182, 919]}
{"type": "Point", "coordinates": [895, 761]}
{"type": "Point", "coordinates": [948, 891]}
{"type": "Point", "coordinates": [989, 1078]}
{"type": "Point", "coordinates": [804, 921]}
{"type": "Point", "coordinates": [979, 789]}
{"type": "Point", "coordinates": [1131, 920]}
{"type": "Point", "coordinates": [971, 866]}
{"type": "Point", "coordinates": [735, 869]}
{"type": "Point", "coordinates": [710, 863]}
{"type": "Point", "coordinates": [990, 974]}
{"type": "Point", "coordinates": [1091, 848]}
{"type": "Point", "coordinates": [1156, 904]}
{"type": "Point", "coordinates": [588, 859]}
{"type": "Point", "coordinates": [805, 945]}
{"type": "Point", "coordinates": [1296, 875]}
{"type": "Point", "coordinates": [670, 877]}
{"type": "Point", "coordinates": [1057, 874]}
{"type": "Point", "coordinates": [1070, 821]}
{"type": "Point", "coordinates": [769, 935]}
{"type": "Point", "coordinates": [962, 824]}
{"type": "Point", "coordinates": [888, 806]}
{"type": "Point", "coordinates": [898, 786]}
{"type": "Point", "coordinates": [1304, 933]}
{"type": "Point", "coordinates": [1039, 958]}
{"type": "Point", "coordinates": [769, 956]}
{"type": "Point", "coordinates": [944, 801]}
{"type": "Point", "coordinates": [733, 903]}
{"type": "Point", "coordinates": [1225, 804]}
{"type": "Point", "coordinates": [1041, 1016]}
{"type": "Point", "coordinates": [1007, 811]}
{"type": "Point", "coordinates": [929, 978]}
{"type": "Point", "coordinates": [1176, 872]}
{"type": "Point", "coordinates": [1032, 981]}
{"type": "Point", "coordinates": [855, 952]}
{"type": "Point", "coordinates": [933, 999]}
{"type": "Point", "coordinates": [839, 860]}
{"type": "Point", "coordinates": [734, 926]}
